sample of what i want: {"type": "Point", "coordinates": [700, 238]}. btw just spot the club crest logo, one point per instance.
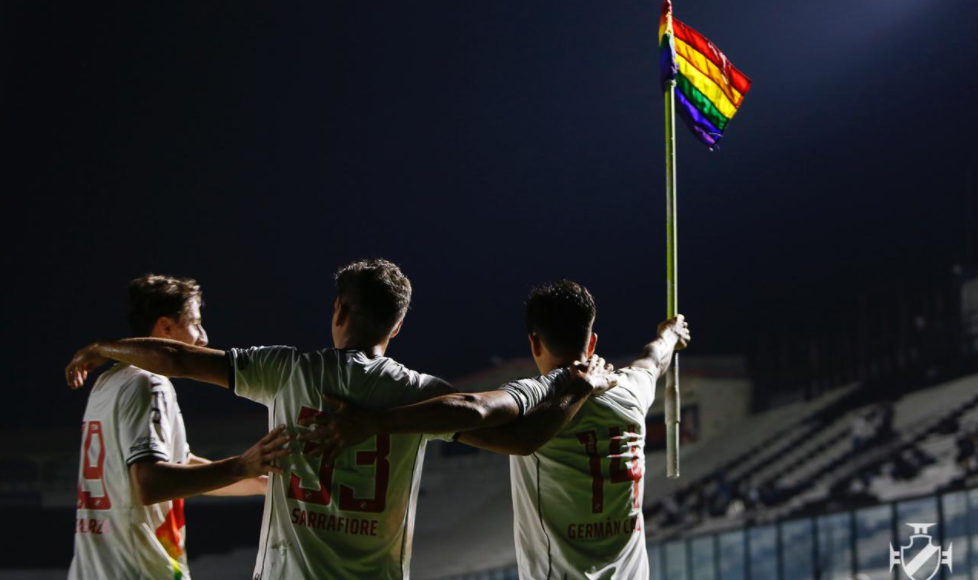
{"type": "Point", "coordinates": [920, 559]}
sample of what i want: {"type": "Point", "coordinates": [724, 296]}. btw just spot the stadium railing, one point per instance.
{"type": "Point", "coordinates": [842, 545]}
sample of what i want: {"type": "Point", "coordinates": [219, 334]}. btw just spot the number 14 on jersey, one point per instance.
{"type": "Point", "coordinates": [630, 474]}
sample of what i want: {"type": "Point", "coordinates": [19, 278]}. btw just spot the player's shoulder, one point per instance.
{"type": "Point", "coordinates": [432, 386]}
{"type": "Point", "coordinates": [558, 374]}
{"type": "Point", "coordinates": [635, 387]}
{"type": "Point", "coordinates": [242, 358]}
{"type": "Point", "coordinates": [130, 378]}
{"type": "Point", "coordinates": [146, 379]}
{"type": "Point", "coordinates": [381, 367]}
{"type": "Point", "coordinates": [555, 377]}
{"type": "Point", "coordinates": [132, 385]}
{"type": "Point", "coordinates": [636, 376]}
{"type": "Point", "coordinates": [423, 383]}
{"type": "Point", "coordinates": [540, 383]}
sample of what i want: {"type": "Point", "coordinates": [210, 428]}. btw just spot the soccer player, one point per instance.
{"type": "Point", "coordinates": [136, 466]}
{"type": "Point", "coordinates": [577, 496]}
{"type": "Point", "coordinates": [352, 518]}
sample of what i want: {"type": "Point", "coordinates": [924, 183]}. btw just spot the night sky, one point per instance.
{"type": "Point", "coordinates": [485, 147]}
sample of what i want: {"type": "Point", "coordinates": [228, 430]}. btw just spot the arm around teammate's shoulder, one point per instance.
{"type": "Point", "coordinates": [346, 424]}
{"type": "Point", "coordinates": [161, 356]}
{"type": "Point", "coordinates": [673, 336]}
{"type": "Point", "coordinates": [540, 423]}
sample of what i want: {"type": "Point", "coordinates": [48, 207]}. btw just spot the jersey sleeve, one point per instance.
{"type": "Point", "coordinates": [640, 381]}
{"type": "Point", "coordinates": [259, 373]}
{"type": "Point", "coordinates": [435, 387]}
{"type": "Point", "coordinates": [146, 405]}
{"type": "Point", "coordinates": [529, 392]}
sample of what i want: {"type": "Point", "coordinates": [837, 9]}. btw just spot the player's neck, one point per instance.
{"type": "Point", "coordinates": [370, 348]}
{"type": "Point", "coordinates": [548, 363]}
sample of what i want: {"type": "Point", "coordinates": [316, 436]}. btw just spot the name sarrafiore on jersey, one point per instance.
{"type": "Point", "coordinates": [332, 523]}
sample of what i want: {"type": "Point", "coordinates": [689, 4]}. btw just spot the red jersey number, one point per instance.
{"type": "Point", "coordinates": [632, 473]}
{"type": "Point", "coordinates": [348, 500]}
{"type": "Point", "coordinates": [321, 496]}
{"type": "Point", "coordinates": [93, 462]}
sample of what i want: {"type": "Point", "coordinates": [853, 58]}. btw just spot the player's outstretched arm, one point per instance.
{"type": "Point", "coordinates": [531, 431]}
{"type": "Point", "coordinates": [161, 356]}
{"type": "Point", "coordinates": [156, 481]}
{"type": "Point", "coordinates": [673, 336]}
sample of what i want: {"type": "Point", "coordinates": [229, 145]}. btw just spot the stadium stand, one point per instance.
{"type": "Point", "coordinates": [838, 456]}
{"type": "Point", "coordinates": [742, 449]}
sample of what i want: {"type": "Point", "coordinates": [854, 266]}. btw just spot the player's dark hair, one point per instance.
{"type": "Point", "coordinates": [561, 314]}
{"type": "Point", "coordinates": [377, 293]}
{"type": "Point", "coordinates": [152, 296]}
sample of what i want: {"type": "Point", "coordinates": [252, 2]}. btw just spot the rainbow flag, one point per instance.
{"type": "Point", "coordinates": [709, 89]}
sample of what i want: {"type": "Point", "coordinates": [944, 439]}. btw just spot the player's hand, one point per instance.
{"type": "Point", "coordinates": [597, 373]}
{"type": "Point", "coordinates": [678, 327]}
{"type": "Point", "coordinates": [85, 361]}
{"type": "Point", "coordinates": [335, 430]}
{"type": "Point", "coordinates": [262, 456]}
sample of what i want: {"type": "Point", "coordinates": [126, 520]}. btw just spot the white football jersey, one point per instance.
{"type": "Point", "coordinates": [355, 519]}
{"type": "Point", "coordinates": [578, 499]}
{"type": "Point", "coordinates": [131, 414]}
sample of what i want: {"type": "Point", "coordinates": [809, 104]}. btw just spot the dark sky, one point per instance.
{"type": "Point", "coordinates": [484, 146]}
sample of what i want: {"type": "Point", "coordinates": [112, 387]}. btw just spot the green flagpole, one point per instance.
{"type": "Point", "coordinates": [672, 283]}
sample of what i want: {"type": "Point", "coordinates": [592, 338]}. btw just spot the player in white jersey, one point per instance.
{"type": "Point", "coordinates": [577, 497]}
{"type": "Point", "coordinates": [136, 466]}
{"type": "Point", "coordinates": [352, 518]}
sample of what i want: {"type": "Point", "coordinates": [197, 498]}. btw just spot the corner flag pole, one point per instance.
{"type": "Point", "coordinates": [672, 283]}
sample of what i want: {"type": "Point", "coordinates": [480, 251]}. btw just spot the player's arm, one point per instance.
{"type": "Point", "coordinates": [155, 481]}
{"type": "Point", "coordinates": [347, 425]}
{"type": "Point", "coordinates": [448, 413]}
{"type": "Point", "coordinates": [250, 486]}
{"type": "Point", "coordinates": [169, 358]}
{"type": "Point", "coordinates": [534, 429]}
{"type": "Point", "coordinates": [673, 336]}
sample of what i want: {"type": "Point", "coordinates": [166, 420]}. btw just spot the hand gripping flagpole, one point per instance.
{"type": "Point", "coordinates": [672, 285]}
